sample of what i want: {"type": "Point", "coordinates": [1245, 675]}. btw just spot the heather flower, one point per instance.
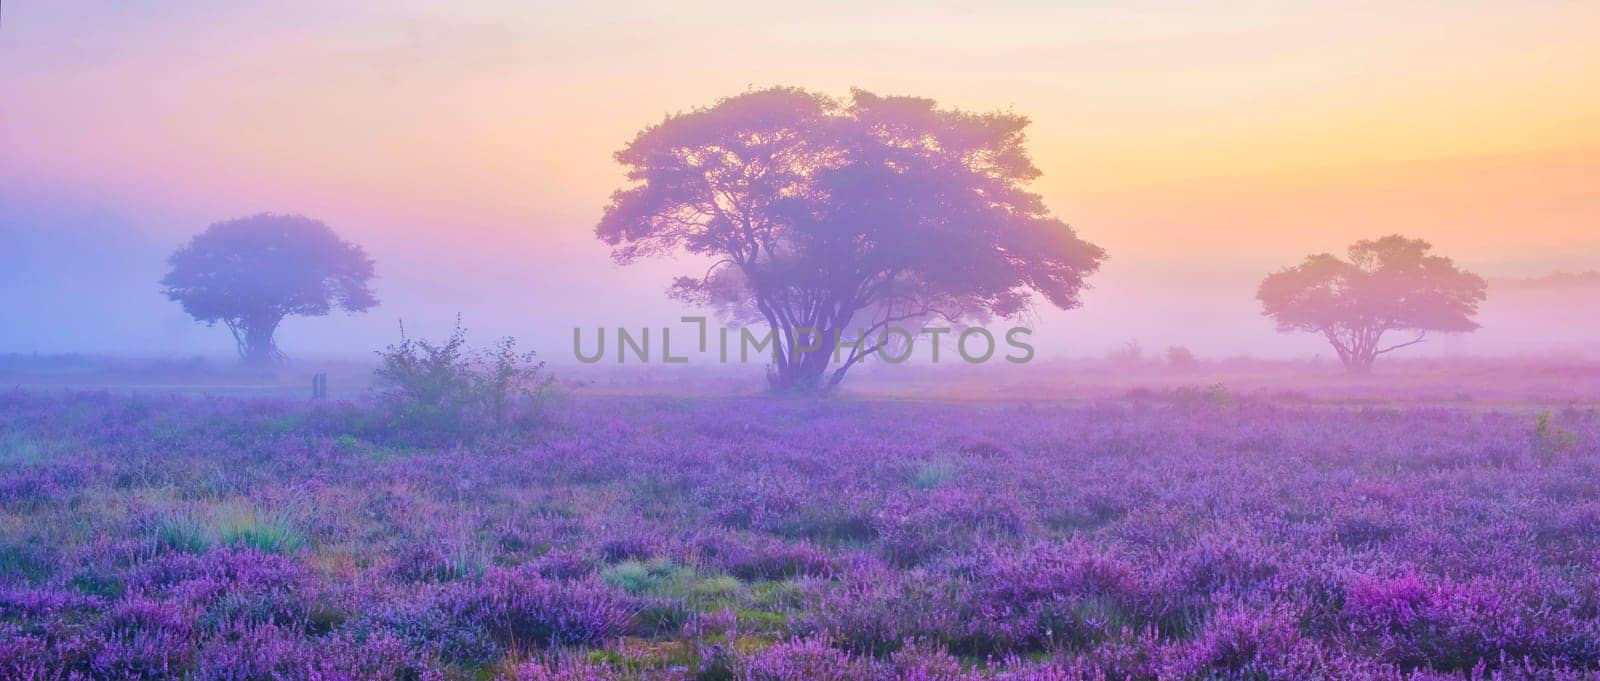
{"type": "Point", "coordinates": [1096, 540]}
{"type": "Point", "coordinates": [1238, 643]}
{"type": "Point", "coordinates": [423, 624]}
{"type": "Point", "coordinates": [756, 557]}
{"type": "Point", "coordinates": [527, 609]}
{"type": "Point", "coordinates": [227, 587]}
{"type": "Point", "coordinates": [43, 602]}
{"type": "Point", "coordinates": [806, 660]}
{"type": "Point", "coordinates": [25, 657]}
{"type": "Point", "coordinates": [569, 671]}
{"type": "Point", "coordinates": [143, 639]}
{"type": "Point", "coordinates": [879, 612]}
{"type": "Point", "coordinates": [271, 653]}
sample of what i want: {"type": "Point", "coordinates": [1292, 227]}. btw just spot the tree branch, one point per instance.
{"type": "Point", "coordinates": [1421, 337]}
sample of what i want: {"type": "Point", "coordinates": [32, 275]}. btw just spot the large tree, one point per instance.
{"type": "Point", "coordinates": [252, 272]}
{"type": "Point", "coordinates": [833, 220]}
{"type": "Point", "coordinates": [1387, 284]}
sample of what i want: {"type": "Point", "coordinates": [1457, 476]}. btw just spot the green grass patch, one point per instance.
{"type": "Point", "coordinates": [227, 525]}
{"type": "Point", "coordinates": [932, 475]}
{"type": "Point", "coordinates": [16, 448]}
{"type": "Point", "coordinates": [655, 577]}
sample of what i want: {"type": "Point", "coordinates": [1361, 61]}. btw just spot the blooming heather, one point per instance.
{"type": "Point", "coordinates": [1157, 537]}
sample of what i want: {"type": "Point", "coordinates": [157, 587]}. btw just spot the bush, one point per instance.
{"type": "Point", "coordinates": [654, 577]}
{"type": "Point", "coordinates": [450, 392]}
{"type": "Point", "coordinates": [1550, 439]}
{"type": "Point", "coordinates": [1131, 353]}
{"type": "Point", "coordinates": [1180, 357]}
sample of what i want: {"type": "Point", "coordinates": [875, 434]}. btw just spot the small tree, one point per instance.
{"type": "Point", "coordinates": [252, 272]}
{"type": "Point", "coordinates": [449, 392]}
{"type": "Point", "coordinates": [1181, 357]}
{"type": "Point", "coordinates": [1387, 284]}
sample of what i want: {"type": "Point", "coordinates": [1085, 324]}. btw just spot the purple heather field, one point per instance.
{"type": "Point", "coordinates": [1164, 534]}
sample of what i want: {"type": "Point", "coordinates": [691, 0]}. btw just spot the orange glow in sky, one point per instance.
{"type": "Point", "coordinates": [1236, 132]}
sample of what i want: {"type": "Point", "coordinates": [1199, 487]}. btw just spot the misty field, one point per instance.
{"type": "Point", "coordinates": [1183, 535]}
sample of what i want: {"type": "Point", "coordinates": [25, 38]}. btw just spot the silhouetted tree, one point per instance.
{"type": "Point", "coordinates": [1181, 357]}
{"type": "Point", "coordinates": [252, 272]}
{"type": "Point", "coordinates": [832, 220]}
{"type": "Point", "coordinates": [1388, 284]}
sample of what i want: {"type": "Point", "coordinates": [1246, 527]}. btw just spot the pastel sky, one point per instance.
{"type": "Point", "coordinates": [469, 145]}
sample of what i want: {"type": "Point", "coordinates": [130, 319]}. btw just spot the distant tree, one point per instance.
{"type": "Point", "coordinates": [1388, 284]}
{"type": "Point", "coordinates": [1181, 357]}
{"type": "Point", "coordinates": [833, 220]}
{"type": "Point", "coordinates": [1128, 354]}
{"type": "Point", "coordinates": [252, 272]}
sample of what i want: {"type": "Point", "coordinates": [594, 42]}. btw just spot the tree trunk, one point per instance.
{"type": "Point", "coordinates": [258, 348]}
{"type": "Point", "coordinates": [1360, 364]}
{"type": "Point", "coordinates": [805, 372]}
{"type": "Point", "coordinates": [799, 378]}
{"type": "Point", "coordinates": [1357, 352]}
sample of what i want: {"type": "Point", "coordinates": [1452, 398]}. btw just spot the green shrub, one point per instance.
{"type": "Point", "coordinates": [15, 448]}
{"type": "Point", "coordinates": [226, 525]}
{"type": "Point", "coordinates": [270, 534]}
{"type": "Point", "coordinates": [931, 475]}
{"type": "Point", "coordinates": [449, 392]}
{"type": "Point", "coordinates": [717, 587]}
{"type": "Point", "coordinates": [656, 577]}
{"type": "Point", "coordinates": [1550, 439]}
{"type": "Point", "coordinates": [181, 532]}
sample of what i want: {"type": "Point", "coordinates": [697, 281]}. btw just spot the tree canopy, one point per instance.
{"type": "Point", "coordinates": [251, 273]}
{"type": "Point", "coordinates": [1387, 284]}
{"type": "Point", "coordinates": [831, 220]}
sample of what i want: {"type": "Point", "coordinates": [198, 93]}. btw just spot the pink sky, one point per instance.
{"type": "Point", "coordinates": [1199, 146]}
